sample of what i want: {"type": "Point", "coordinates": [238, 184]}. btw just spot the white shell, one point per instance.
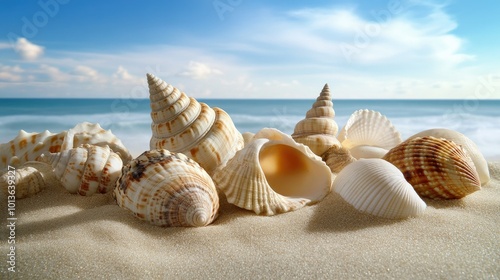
{"type": "Point", "coordinates": [28, 179]}
{"type": "Point", "coordinates": [470, 147]}
{"type": "Point", "coordinates": [274, 175]}
{"type": "Point", "coordinates": [167, 189]}
{"type": "Point", "coordinates": [184, 125]}
{"type": "Point", "coordinates": [368, 128]}
{"type": "Point", "coordinates": [377, 187]}
{"type": "Point", "coordinates": [247, 137]}
{"type": "Point", "coordinates": [87, 169]}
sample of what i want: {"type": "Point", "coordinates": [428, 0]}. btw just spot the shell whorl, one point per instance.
{"type": "Point", "coordinates": [167, 189]}
{"type": "Point", "coordinates": [318, 129]}
{"type": "Point", "coordinates": [29, 179]}
{"type": "Point", "coordinates": [181, 124]}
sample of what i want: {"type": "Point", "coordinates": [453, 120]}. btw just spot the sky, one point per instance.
{"type": "Point", "coordinates": [380, 49]}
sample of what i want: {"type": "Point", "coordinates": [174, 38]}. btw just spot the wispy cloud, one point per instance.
{"type": "Point", "coordinates": [28, 50]}
{"type": "Point", "coordinates": [199, 71]}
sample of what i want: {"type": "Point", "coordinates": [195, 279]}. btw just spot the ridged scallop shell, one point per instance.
{"type": "Point", "coordinates": [337, 158]}
{"type": "Point", "coordinates": [183, 125]}
{"type": "Point", "coordinates": [470, 147]}
{"type": "Point", "coordinates": [437, 168]}
{"type": "Point", "coordinates": [87, 169]}
{"type": "Point", "coordinates": [167, 189]}
{"type": "Point", "coordinates": [368, 134]}
{"type": "Point", "coordinates": [318, 129]}
{"type": "Point", "coordinates": [28, 179]}
{"type": "Point", "coordinates": [29, 146]}
{"type": "Point", "coordinates": [377, 187]}
{"type": "Point", "coordinates": [274, 175]}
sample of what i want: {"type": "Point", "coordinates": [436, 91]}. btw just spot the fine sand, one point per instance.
{"type": "Point", "coordinates": [64, 236]}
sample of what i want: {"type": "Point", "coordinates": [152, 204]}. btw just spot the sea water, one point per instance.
{"type": "Point", "coordinates": [129, 119]}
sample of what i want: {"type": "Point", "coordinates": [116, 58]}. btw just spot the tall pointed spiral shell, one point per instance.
{"type": "Point", "coordinates": [377, 187]}
{"type": "Point", "coordinates": [167, 189]}
{"type": "Point", "coordinates": [87, 169]}
{"type": "Point", "coordinates": [28, 179]}
{"type": "Point", "coordinates": [318, 129]}
{"type": "Point", "coordinates": [183, 125]}
{"type": "Point", "coordinates": [437, 168]}
{"type": "Point", "coordinates": [273, 174]}
{"type": "Point", "coordinates": [368, 134]}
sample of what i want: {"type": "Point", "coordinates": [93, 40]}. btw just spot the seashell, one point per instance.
{"type": "Point", "coordinates": [377, 187]}
{"type": "Point", "coordinates": [470, 147]}
{"type": "Point", "coordinates": [318, 129]}
{"type": "Point", "coordinates": [368, 134]}
{"type": "Point", "coordinates": [94, 134]}
{"type": "Point", "coordinates": [184, 125]}
{"type": "Point", "coordinates": [437, 168]}
{"type": "Point", "coordinates": [87, 169]}
{"type": "Point", "coordinates": [167, 189]}
{"type": "Point", "coordinates": [274, 175]}
{"type": "Point", "coordinates": [247, 137]}
{"type": "Point", "coordinates": [28, 146]}
{"type": "Point", "coordinates": [337, 158]}
{"type": "Point", "coordinates": [28, 179]}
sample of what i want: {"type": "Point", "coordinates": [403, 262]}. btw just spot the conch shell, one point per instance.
{"type": "Point", "coordinates": [470, 147]}
{"type": "Point", "coordinates": [183, 125]}
{"type": "Point", "coordinates": [368, 134]}
{"type": "Point", "coordinates": [273, 175]}
{"type": "Point", "coordinates": [437, 168]}
{"type": "Point", "coordinates": [28, 179]}
{"type": "Point", "coordinates": [377, 187]}
{"type": "Point", "coordinates": [167, 189]}
{"type": "Point", "coordinates": [318, 129]}
{"type": "Point", "coordinates": [87, 169]}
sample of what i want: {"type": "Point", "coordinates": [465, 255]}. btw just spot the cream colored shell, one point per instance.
{"type": "Point", "coordinates": [87, 169]}
{"type": "Point", "coordinates": [437, 168]}
{"type": "Point", "coordinates": [274, 175]}
{"type": "Point", "coordinates": [470, 147]}
{"type": "Point", "coordinates": [337, 158]}
{"type": "Point", "coordinates": [318, 129]}
{"type": "Point", "coordinates": [28, 179]}
{"type": "Point", "coordinates": [167, 189]}
{"type": "Point", "coordinates": [377, 187]}
{"type": "Point", "coordinates": [182, 124]}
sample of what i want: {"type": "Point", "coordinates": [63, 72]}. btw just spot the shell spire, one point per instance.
{"type": "Point", "coordinates": [181, 124]}
{"type": "Point", "coordinates": [318, 129]}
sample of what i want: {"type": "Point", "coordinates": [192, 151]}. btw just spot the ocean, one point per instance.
{"type": "Point", "coordinates": [130, 121]}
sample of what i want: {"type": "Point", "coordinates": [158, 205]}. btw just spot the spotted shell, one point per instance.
{"type": "Point", "coordinates": [274, 175]}
{"type": "Point", "coordinates": [167, 189]}
{"type": "Point", "coordinates": [87, 169]}
{"type": "Point", "coordinates": [377, 187]}
{"type": "Point", "coordinates": [183, 125]}
{"type": "Point", "coordinates": [28, 179]}
{"type": "Point", "coordinates": [437, 168]}
{"type": "Point", "coordinates": [318, 129]}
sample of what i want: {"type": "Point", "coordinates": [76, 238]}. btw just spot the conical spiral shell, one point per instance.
{"type": "Point", "coordinates": [184, 125]}
{"type": "Point", "coordinates": [87, 169]}
{"type": "Point", "coordinates": [28, 179]}
{"type": "Point", "coordinates": [368, 134]}
{"type": "Point", "coordinates": [167, 189]}
{"type": "Point", "coordinates": [437, 168]}
{"type": "Point", "coordinates": [274, 175]}
{"type": "Point", "coordinates": [470, 147]}
{"type": "Point", "coordinates": [318, 129]}
{"type": "Point", "coordinates": [377, 187]}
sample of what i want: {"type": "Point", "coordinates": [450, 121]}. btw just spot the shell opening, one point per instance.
{"type": "Point", "coordinates": [289, 172]}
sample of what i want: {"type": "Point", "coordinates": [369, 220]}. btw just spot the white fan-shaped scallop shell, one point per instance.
{"type": "Point", "coordinates": [470, 147]}
{"type": "Point", "coordinates": [368, 134]}
{"type": "Point", "coordinates": [274, 175]}
{"type": "Point", "coordinates": [318, 129]}
{"type": "Point", "coordinates": [28, 179]}
{"type": "Point", "coordinates": [167, 189]}
{"type": "Point", "coordinates": [182, 124]}
{"type": "Point", "coordinates": [87, 169]}
{"type": "Point", "coordinates": [377, 187]}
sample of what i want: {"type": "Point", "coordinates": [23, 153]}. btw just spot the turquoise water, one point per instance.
{"type": "Point", "coordinates": [129, 118]}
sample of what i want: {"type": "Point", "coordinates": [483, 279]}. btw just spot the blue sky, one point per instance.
{"type": "Point", "coordinates": [251, 49]}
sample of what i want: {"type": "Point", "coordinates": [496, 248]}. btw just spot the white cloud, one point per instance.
{"type": "Point", "coordinates": [199, 71]}
{"type": "Point", "coordinates": [28, 50]}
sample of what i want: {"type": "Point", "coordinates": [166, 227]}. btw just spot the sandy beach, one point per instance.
{"type": "Point", "coordinates": [64, 236]}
